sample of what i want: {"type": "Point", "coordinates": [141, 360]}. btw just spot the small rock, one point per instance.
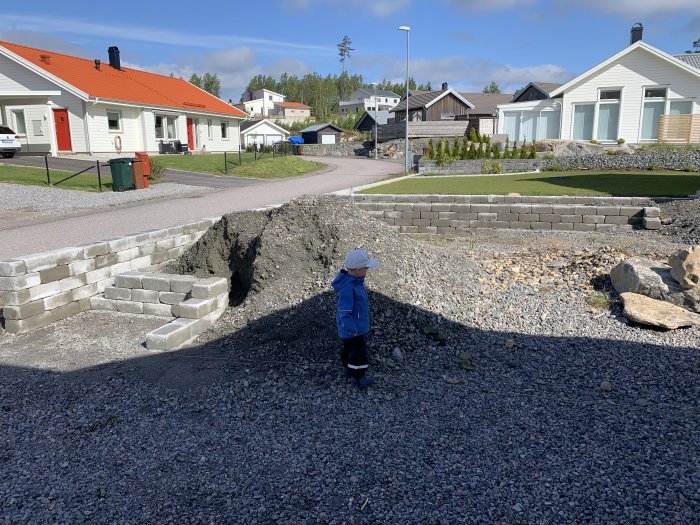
{"type": "Point", "coordinates": [509, 343]}
{"type": "Point", "coordinates": [453, 380]}
{"type": "Point", "coordinates": [605, 386]}
{"type": "Point", "coordinates": [651, 312]}
{"type": "Point", "coordinates": [397, 354]}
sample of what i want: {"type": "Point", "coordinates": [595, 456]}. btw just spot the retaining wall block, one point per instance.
{"type": "Point", "coordinates": [21, 282]}
{"type": "Point", "coordinates": [622, 201]}
{"type": "Point", "coordinates": [98, 302]}
{"type": "Point", "coordinates": [129, 307]}
{"type": "Point", "coordinates": [447, 215]}
{"type": "Point", "coordinates": [118, 244]}
{"type": "Point", "coordinates": [403, 222]}
{"type": "Point", "coordinates": [385, 220]}
{"type": "Point", "coordinates": [156, 282]}
{"type": "Point", "coordinates": [157, 236]}
{"type": "Point", "coordinates": [480, 208]}
{"type": "Point", "coordinates": [158, 309]}
{"type": "Point", "coordinates": [55, 274]}
{"type": "Point", "coordinates": [503, 225]}
{"type": "Point", "coordinates": [209, 288]}
{"type": "Point", "coordinates": [144, 296]}
{"type": "Point", "coordinates": [538, 225]}
{"type": "Point", "coordinates": [500, 208]}
{"type": "Point", "coordinates": [167, 337]}
{"type": "Point", "coordinates": [127, 255]}
{"type": "Point", "coordinates": [367, 206]}
{"type": "Point", "coordinates": [12, 268]}
{"type": "Point", "coordinates": [175, 231]}
{"type": "Point", "coordinates": [445, 198]}
{"type": "Point", "coordinates": [521, 208]}
{"type": "Point", "coordinates": [105, 261]}
{"type": "Point", "coordinates": [403, 206]}
{"type": "Point", "coordinates": [147, 249]}
{"type": "Point", "coordinates": [427, 229]}
{"type": "Point", "coordinates": [44, 290]}
{"type": "Point", "coordinates": [82, 267]}
{"type": "Point", "coordinates": [385, 206]}
{"type": "Point", "coordinates": [571, 218]}
{"type": "Point", "coordinates": [94, 249]}
{"type": "Point", "coordinates": [528, 217]}
{"type": "Point", "coordinates": [608, 210]}
{"type": "Point", "coordinates": [123, 294]}
{"type": "Point", "coordinates": [487, 216]}
{"type": "Point", "coordinates": [605, 227]}
{"type": "Point", "coordinates": [461, 208]}
{"type": "Point", "coordinates": [102, 285]}
{"type": "Point", "coordinates": [87, 291]}
{"type": "Point", "coordinates": [15, 298]}
{"type": "Point", "coordinates": [222, 301]}
{"type": "Point", "coordinates": [584, 227]}
{"type": "Point", "coordinates": [507, 217]}
{"type": "Point", "coordinates": [393, 214]}
{"type": "Point", "coordinates": [440, 206]}
{"type": "Point", "coordinates": [171, 297]}
{"type": "Point", "coordinates": [119, 268]}
{"type": "Point", "coordinates": [57, 300]}
{"type": "Point", "coordinates": [652, 212]}
{"type": "Point", "coordinates": [182, 283]}
{"type": "Point", "coordinates": [517, 225]}
{"type": "Point", "coordinates": [140, 262]}
{"type": "Point", "coordinates": [65, 311]}
{"type": "Point", "coordinates": [166, 244]}
{"type": "Point", "coordinates": [174, 253]}
{"type": "Point", "coordinates": [376, 214]}
{"type": "Point", "coordinates": [445, 230]}
{"type": "Point", "coordinates": [651, 223]}
{"type": "Point", "coordinates": [593, 219]}
{"type": "Point", "coordinates": [21, 326]}
{"type": "Point", "coordinates": [513, 199]}
{"type": "Point", "coordinates": [39, 261]}
{"type": "Point", "coordinates": [616, 219]}
{"type": "Point", "coordinates": [428, 215]}
{"type": "Point", "coordinates": [563, 226]}
{"type": "Point", "coordinates": [413, 214]}
{"type": "Point", "coordinates": [478, 224]}
{"type": "Point", "coordinates": [408, 229]}
{"type": "Point", "coordinates": [496, 198]}
{"type": "Point", "coordinates": [69, 255]}
{"type": "Point", "coordinates": [541, 208]}
{"type": "Point", "coordinates": [24, 311]}
{"type": "Point", "coordinates": [129, 280]}
{"type": "Point", "coordinates": [632, 211]}
{"type": "Point", "coordinates": [467, 216]}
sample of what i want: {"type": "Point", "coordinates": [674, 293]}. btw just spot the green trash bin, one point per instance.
{"type": "Point", "coordinates": [121, 174]}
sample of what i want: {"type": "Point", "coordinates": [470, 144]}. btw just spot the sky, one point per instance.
{"type": "Point", "coordinates": [466, 43]}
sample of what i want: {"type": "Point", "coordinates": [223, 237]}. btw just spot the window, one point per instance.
{"type": "Point", "coordinates": [609, 94]}
{"type": "Point", "coordinates": [681, 107]}
{"type": "Point", "coordinates": [608, 115]}
{"type": "Point", "coordinates": [114, 121]}
{"type": "Point", "coordinates": [655, 93]}
{"type": "Point", "coordinates": [165, 127]}
{"type": "Point", "coordinates": [210, 129]}
{"type": "Point", "coordinates": [18, 121]}
{"type": "Point", "coordinates": [269, 97]}
{"type": "Point", "coordinates": [224, 130]}
{"type": "Point", "coordinates": [583, 121]}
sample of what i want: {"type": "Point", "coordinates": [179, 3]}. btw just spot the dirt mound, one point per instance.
{"type": "Point", "coordinates": [681, 219]}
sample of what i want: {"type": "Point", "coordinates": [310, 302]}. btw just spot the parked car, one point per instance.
{"type": "Point", "coordinates": [9, 142]}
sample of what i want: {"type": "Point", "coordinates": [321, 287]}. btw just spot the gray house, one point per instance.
{"type": "Point", "coordinates": [366, 122]}
{"type": "Point", "coordinates": [322, 134]}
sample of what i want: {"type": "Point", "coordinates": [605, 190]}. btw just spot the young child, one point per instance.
{"type": "Point", "coordinates": [352, 315]}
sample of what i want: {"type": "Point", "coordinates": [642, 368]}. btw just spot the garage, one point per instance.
{"type": "Point", "coordinates": [262, 133]}
{"type": "Point", "coordinates": [322, 134]}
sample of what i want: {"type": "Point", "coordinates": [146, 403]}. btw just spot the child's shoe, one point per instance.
{"type": "Point", "coordinates": [363, 382]}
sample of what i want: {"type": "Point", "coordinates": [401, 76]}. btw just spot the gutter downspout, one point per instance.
{"type": "Point", "coordinates": [87, 125]}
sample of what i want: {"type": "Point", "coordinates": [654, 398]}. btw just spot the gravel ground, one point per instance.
{"type": "Point", "coordinates": [54, 200]}
{"type": "Point", "coordinates": [525, 402]}
{"type": "Point", "coordinates": [681, 219]}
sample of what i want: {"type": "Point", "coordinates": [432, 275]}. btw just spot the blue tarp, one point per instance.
{"type": "Point", "coordinates": [296, 140]}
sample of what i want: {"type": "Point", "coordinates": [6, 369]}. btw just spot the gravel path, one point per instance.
{"type": "Point", "coordinates": [537, 407]}
{"type": "Point", "coordinates": [54, 200]}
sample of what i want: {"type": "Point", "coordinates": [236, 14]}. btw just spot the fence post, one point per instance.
{"type": "Point", "coordinates": [48, 173]}
{"type": "Point", "coordinates": [99, 176]}
{"type": "Point", "coordinates": [225, 164]}
{"type": "Point", "coordinates": [240, 163]}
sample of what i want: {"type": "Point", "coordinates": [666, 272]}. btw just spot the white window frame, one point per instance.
{"type": "Point", "coordinates": [645, 99]}
{"type": "Point", "coordinates": [119, 121]}
{"type": "Point", "coordinates": [224, 130]}
{"type": "Point", "coordinates": [601, 101]}
{"type": "Point", "coordinates": [18, 116]}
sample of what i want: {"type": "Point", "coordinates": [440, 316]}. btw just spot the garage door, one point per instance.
{"type": "Point", "coordinates": [271, 139]}
{"type": "Point", "coordinates": [327, 139]}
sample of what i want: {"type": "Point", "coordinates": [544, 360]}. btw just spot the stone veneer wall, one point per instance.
{"type": "Point", "coordinates": [37, 290]}
{"type": "Point", "coordinates": [455, 213]}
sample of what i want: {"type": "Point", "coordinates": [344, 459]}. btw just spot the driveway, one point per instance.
{"type": "Point", "coordinates": [48, 233]}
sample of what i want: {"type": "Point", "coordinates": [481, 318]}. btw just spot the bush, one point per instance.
{"type": "Point", "coordinates": [480, 154]}
{"type": "Point", "coordinates": [441, 157]}
{"type": "Point", "coordinates": [689, 168]}
{"type": "Point", "coordinates": [157, 170]}
{"type": "Point", "coordinates": [548, 156]}
{"type": "Point", "coordinates": [455, 148]}
{"type": "Point", "coordinates": [594, 141]}
{"type": "Point", "coordinates": [652, 166]}
{"type": "Point", "coordinates": [533, 151]}
{"type": "Point", "coordinates": [496, 151]}
{"type": "Point", "coordinates": [523, 151]}
{"type": "Point", "coordinates": [472, 135]}
{"type": "Point", "coordinates": [491, 167]}
{"type": "Point", "coordinates": [431, 150]}
{"type": "Point", "coordinates": [464, 152]}
{"type": "Point", "coordinates": [472, 151]}
{"type": "Point", "coordinates": [554, 167]}
{"type": "Point", "coordinates": [620, 141]}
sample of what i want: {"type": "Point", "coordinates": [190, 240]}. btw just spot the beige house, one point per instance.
{"type": "Point", "coordinates": [290, 112]}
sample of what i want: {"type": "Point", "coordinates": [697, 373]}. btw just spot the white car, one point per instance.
{"type": "Point", "coordinates": [9, 142]}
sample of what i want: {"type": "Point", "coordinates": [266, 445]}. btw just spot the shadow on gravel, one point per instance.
{"type": "Point", "coordinates": [259, 427]}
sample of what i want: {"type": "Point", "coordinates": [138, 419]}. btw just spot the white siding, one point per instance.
{"type": "Point", "coordinates": [14, 77]}
{"type": "Point", "coordinates": [102, 140]}
{"type": "Point", "coordinates": [261, 134]}
{"type": "Point", "coordinates": [632, 73]}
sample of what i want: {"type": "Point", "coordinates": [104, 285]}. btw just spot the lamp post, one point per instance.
{"type": "Point", "coordinates": [407, 29]}
{"type": "Point", "coordinates": [375, 120]}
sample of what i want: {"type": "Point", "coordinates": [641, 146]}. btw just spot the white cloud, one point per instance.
{"type": "Point", "coordinates": [471, 6]}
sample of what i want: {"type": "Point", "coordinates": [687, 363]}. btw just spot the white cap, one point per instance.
{"type": "Point", "coordinates": [356, 259]}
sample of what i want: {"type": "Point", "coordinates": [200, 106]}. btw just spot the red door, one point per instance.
{"type": "Point", "coordinates": [60, 117]}
{"type": "Point", "coordinates": [190, 134]}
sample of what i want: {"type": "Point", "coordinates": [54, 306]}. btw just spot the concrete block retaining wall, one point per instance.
{"type": "Point", "coordinates": [196, 303]}
{"type": "Point", "coordinates": [37, 290]}
{"type": "Point", "coordinates": [455, 213]}
{"type": "Point", "coordinates": [474, 166]}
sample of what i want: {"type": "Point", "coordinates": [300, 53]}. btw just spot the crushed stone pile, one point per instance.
{"type": "Point", "coordinates": [681, 219]}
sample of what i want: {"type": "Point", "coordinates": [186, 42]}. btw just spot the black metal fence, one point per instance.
{"type": "Point", "coordinates": [255, 152]}
{"type": "Point", "coordinates": [60, 172]}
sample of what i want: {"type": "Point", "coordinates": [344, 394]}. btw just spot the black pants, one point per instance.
{"type": "Point", "coordinates": [354, 356]}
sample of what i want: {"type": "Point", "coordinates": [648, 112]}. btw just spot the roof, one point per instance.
{"type": "Point", "coordinates": [319, 127]}
{"type": "Point", "coordinates": [297, 105]}
{"type": "Point", "coordinates": [250, 125]}
{"type": "Point", "coordinates": [544, 87]}
{"type": "Point", "coordinates": [640, 44]}
{"type": "Point", "coordinates": [125, 85]}
{"type": "Point", "coordinates": [425, 99]}
{"type": "Point", "coordinates": [690, 58]}
{"type": "Point", "coordinates": [380, 92]}
{"type": "Point", "coordinates": [485, 103]}
{"type": "Point", "coordinates": [382, 117]}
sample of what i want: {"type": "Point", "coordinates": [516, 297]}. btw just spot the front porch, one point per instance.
{"type": "Point", "coordinates": [30, 114]}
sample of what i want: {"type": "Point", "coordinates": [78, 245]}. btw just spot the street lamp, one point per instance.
{"type": "Point", "coordinates": [407, 162]}
{"type": "Point", "coordinates": [375, 120]}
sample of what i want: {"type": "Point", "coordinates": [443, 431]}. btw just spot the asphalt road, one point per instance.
{"type": "Point", "coordinates": [48, 232]}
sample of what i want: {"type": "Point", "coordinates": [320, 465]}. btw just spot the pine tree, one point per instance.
{"type": "Point", "coordinates": [464, 152]}
{"type": "Point", "coordinates": [523, 151]}
{"type": "Point", "coordinates": [533, 151]}
{"type": "Point", "coordinates": [472, 135]}
{"type": "Point", "coordinates": [455, 148]}
{"type": "Point", "coordinates": [431, 150]}
{"type": "Point", "coordinates": [472, 151]}
{"type": "Point", "coordinates": [496, 151]}
{"type": "Point", "coordinates": [480, 151]}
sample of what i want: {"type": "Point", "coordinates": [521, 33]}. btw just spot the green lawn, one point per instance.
{"type": "Point", "coordinates": [37, 177]}
{"type": "Point", "coordinates": [627, 184]}
{"type": "Point", "coordinates": [268, 167]}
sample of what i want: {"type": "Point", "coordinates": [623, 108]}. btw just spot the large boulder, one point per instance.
{"type": "Point", "coordinates": [653, 279]}
{"type": "Point", "coordinates": [685, 267]}
{"type": "Point", "coordinates": [651, 312]}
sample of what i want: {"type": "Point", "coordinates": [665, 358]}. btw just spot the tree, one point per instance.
{"type": "Point", "coordinates": [196, 80]}
{"type": "Point", "coordinates": [344, 50]}
{"type": "Point", "coordinates": [211, 84]}
{"type": "Point", "coordinates": [492, 88]}
{"type": "Point", "coordinates": [696, 47]}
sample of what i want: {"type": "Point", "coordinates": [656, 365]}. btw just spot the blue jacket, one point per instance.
{"type": "Point", "coordinates": [352, 305]}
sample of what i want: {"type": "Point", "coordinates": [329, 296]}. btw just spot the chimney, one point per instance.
{"type": "Point", "coordinates": [636, 33]}
{"type": "Point", "coordinates": [444, 86]}
{"type": "Point", "coordinates": [114, 57]}
{"type": "Point", "coordinates": [46, 59]}
{"type": "Point", "coordinates": [98, 62]}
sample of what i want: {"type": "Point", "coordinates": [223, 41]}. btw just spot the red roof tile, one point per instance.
{"type": "Point", "coordinates": [126, 85]}
{"type": "Point", "coordinates": [292, 105]}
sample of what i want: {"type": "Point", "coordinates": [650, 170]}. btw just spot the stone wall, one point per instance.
{"type": "Point", "coordinates": [474, 166]}
{"type": "Point", "coordinates": [640, 160]}
{"type": "Point", "coordinates": [456, 213]}
{"type": "Point", "coordinates": [343, 149]}
{"type": "Point", "coordinates": [37, 290]}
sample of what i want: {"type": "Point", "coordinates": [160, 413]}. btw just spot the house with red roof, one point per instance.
{"type": "Point", "coordinates": [266, 104]}
{"type": "Point", "coordinates": [290, 112]}
{"type": "Point", "coordinates": [59, 103]}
